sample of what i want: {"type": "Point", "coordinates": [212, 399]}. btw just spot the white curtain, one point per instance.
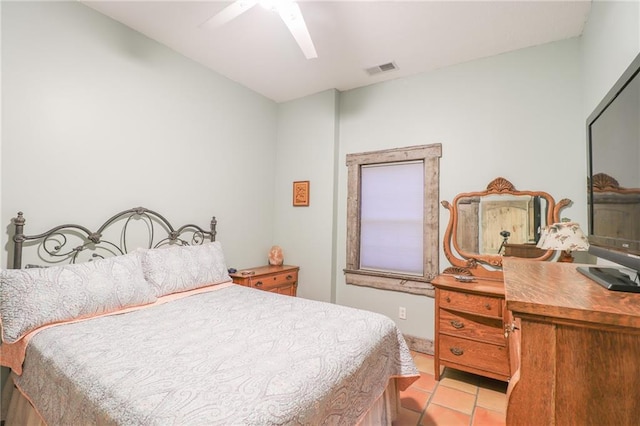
{"type": "Point", "coordinates": [391, 217]}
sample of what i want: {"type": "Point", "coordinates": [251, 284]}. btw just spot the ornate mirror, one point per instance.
{"type": "Point", "coordinates": [500, 221]}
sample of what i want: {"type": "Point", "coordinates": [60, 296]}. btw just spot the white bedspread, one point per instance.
{"type": "Point", "coordinates": [235, 356]}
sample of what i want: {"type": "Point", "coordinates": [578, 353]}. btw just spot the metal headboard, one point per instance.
{"type": "Point", "coordinates": [55, 243]}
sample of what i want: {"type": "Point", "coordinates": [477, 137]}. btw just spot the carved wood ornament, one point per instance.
{"type": "Point", "coordinates": [474, 262]}
{"type": "Point", "coordinates": [602, 182]}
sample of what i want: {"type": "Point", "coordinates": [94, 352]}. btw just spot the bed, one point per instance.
{"type": "Point", "coordinates": [159, 335]}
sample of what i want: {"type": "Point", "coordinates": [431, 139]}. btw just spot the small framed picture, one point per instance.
{"type": "Point", "coordinates": [301, 193]}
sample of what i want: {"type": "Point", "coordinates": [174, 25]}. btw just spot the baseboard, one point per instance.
{"type": "Point", "coordinates": [418, 344]}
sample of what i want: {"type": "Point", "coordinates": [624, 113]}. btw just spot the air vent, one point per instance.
{"type": "Point", "coordinates": [389, 66]}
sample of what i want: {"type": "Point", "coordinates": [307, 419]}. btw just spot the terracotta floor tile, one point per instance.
{"type": "Point", "coordinates": [484, 417]}
{"type": "Point", "coordinates": [459, 398]}
{"type": "Point", "coordinates": [454, 398]}
{"type": "Point", "coordinates": [414, 399]}
{"type": "Point", "coordinates": [424, 362]}
{"type": "Point", "coordinates": [406, 417]}
{"type": "Point", "coordinates": [436, 415]}
{"type": "Point", "coordinates": [493, 400]}
{"type": "Point", "coordinates": [426, 382]}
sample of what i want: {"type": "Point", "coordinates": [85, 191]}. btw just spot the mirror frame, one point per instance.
{"type": "Point", "coordinates": [472, 263]}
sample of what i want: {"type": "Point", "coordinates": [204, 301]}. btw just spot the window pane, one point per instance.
{"type": "Point", "coordinates": [391, 217]}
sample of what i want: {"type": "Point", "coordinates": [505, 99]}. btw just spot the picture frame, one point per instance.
{"type": "Point", "coordinates": [301, 193]}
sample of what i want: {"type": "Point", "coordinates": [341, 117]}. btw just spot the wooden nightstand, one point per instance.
{"type": "Point", "coordinates": [277, 279]}
{"type": "Point", "coordinates": [470, 327]}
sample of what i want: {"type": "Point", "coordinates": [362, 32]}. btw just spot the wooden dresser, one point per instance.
{"type": "Point", "coordinates": [523, 250]}
{"type": "Point", "coordinates": [277, 279]}
{"type": "Point", "coordinates": [470, 327]}
{"type": "Point", "coordinates": [578, 344]}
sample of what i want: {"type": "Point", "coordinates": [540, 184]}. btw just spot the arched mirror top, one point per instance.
{"type": "Point", "coordinates": [500, 221]}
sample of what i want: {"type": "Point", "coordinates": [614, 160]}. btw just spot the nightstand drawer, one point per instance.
{"type": "Point", "coordinates": [277, 279]}
{"type": "Point", "coordinates": [473, 303]}
{"type": "Point", "coordinates": [475, 327]}
{"type": "Point", "coordinates": [484, 356]}
{"type": "Point", "coordinates": [268, 282]}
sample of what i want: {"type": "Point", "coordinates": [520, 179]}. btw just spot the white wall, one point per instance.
{"type": "Point", "coordinates": [97, 118]}
{"type": "Point", "coordinates": [516, 115]}
{"type": "Point", "coordinates": [306, 150]}
{"type": "Point", "coordinates": [4, 372]}
{"type": "Point", "coordinates": [610, 41]}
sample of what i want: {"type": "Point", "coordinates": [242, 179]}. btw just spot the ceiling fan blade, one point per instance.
{"type": "Point", "coordinates": [292, 17]}
{"type": "Point", "coordinates": [228, 13]}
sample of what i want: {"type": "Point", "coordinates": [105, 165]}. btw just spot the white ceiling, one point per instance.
{"type": "Point", "coordinates": [257, 50]}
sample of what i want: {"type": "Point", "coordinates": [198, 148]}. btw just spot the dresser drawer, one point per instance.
{"type": "Point", "coordinates": [475, 327]}
{"type": "Point", "coordinates": [268, 282]}
{"type": "Point", "coordinates": [473, 303]}
{"type": "Point", "coordinates": [484, 356]}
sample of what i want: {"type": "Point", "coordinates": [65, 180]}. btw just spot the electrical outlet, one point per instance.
{"type": "Point", "coordinates": [402, 312]}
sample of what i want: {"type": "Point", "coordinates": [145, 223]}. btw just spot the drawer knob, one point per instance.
{"type": "Point", "coordinates": [259, 284]}
{"type": "Point", "coordinates": [457, 324]}
{"type": "Point", "coordinates": [289, 277]}
{"type": "Point", "coordinates": [488, 306]}
{"type": "Point", "coordinates": [448, 299]}
{"type": "Point", "coordinates": [456, 351]}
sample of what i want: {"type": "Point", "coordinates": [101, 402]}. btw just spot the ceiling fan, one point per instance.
{"type": "Point", "coordinates": [288, 10]}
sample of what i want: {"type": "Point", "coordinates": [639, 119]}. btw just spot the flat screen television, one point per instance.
{"type": "Point", "coordinates": [613, 153]}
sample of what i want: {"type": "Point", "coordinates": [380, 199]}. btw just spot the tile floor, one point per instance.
{"type": "Point", "coordinates": [459, 398]}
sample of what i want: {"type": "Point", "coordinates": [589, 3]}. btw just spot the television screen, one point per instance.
{"type": "Point", "coordinates": [613, 134]}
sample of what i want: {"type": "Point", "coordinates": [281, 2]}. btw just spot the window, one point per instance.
{"type": "Point", "coordinates": [392, 218]}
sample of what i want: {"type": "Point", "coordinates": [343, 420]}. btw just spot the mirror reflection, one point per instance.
{"type": "Point", "coordinates": [615, 209]}
{"type": "Point", "coordinates": [493, 224]}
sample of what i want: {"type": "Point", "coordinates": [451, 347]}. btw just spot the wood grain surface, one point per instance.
{"type": "Point", "coordinates": [578, 347]}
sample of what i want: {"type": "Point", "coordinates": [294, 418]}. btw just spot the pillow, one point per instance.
{"type": "Point", "coordinates": [30, 298]}
{"type": "Point", "coordinates": [181, 268]}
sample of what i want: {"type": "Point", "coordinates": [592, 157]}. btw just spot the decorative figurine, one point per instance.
{"type": "Point", "coordinates": [275, 256]}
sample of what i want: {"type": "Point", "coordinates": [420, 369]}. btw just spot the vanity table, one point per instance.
{"type": "Point", "coordinates": [577, 346]}
{"type": "Point", "coordinates": [472, 319]}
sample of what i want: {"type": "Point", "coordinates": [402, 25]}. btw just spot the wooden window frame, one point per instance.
{"type": "Point", "coordinates": [415, 284]}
